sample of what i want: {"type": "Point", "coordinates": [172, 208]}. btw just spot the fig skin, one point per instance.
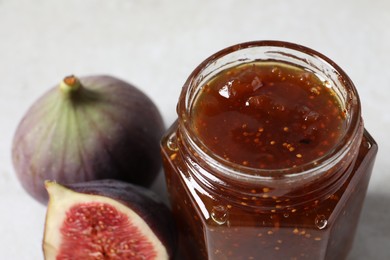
{"type": "Point", "coordinates": [95, 127]}
{"type": "Point", "coordinates": [142, 201]}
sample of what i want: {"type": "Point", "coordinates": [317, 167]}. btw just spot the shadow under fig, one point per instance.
{"type": "Point", "coordinates": [372, 240]}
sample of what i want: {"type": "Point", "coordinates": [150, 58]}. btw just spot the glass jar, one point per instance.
{"type": "Point", "coordinates": [226, 210]}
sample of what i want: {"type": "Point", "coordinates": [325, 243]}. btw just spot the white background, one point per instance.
{"type": "Point", "coordinates": [155, 44]}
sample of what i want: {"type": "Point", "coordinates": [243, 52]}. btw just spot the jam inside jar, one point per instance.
{"type": "Point", "coordinates": [269, 158]}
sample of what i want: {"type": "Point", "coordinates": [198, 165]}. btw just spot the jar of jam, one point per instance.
{"type": "Point", "coordinates": [269, 158]}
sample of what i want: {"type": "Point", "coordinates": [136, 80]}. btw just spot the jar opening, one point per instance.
{"type": "Point", "coordinates": [283, 53]}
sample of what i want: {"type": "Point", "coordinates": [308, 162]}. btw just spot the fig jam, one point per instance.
{"type": "Point", "coordinates": [269, 158]}
{"type": "Point", "coordinates": [267, 116]}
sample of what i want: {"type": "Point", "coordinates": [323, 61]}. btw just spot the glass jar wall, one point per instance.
{"type": "Point", "coordinates": [269, 158]}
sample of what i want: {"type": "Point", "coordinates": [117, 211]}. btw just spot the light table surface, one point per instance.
{"type": "Point", "coordinates": [155, 44]}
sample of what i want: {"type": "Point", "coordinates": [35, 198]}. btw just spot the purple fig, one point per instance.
{"type": "Point", "coordinates": [106, 219]}
{"type": "Point", "coordinates": [95, 127]}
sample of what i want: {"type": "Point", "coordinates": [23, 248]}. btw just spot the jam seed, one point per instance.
{"type": "Point", "coordinates": [173, 156]}
{"type": "Point", "coordinates": [265, 189]}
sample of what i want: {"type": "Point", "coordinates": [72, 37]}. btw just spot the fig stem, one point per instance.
{"type": "Point", "coordinates": [70, 84]}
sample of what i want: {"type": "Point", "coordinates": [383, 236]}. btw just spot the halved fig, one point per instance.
{"type": "Point", "coordinates": [106, 219]}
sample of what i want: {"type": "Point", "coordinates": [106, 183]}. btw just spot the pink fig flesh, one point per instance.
{"type": "Point", "coordinates": [106, 220]}
{"type": "Point", "coordinates": [89, 229]}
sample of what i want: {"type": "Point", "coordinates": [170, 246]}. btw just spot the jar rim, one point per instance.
{"type": "Point", "coordinates": [251, 174]}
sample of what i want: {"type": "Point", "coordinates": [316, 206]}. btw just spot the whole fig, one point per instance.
{"type": "Point", "coordinates": [107, 219]}
{"type": "Point", "coordinates": [95, 127]}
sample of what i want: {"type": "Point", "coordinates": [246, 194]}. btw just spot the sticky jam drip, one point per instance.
{"type": "Point", "coordinates": [99, 231]}
{"type": "Point", "coordinates": [268, 116]}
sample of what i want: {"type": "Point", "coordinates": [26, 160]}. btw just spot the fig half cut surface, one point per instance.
{"type": "Point", "coordinates": [88, 128]}
{"type": "Point", "coordinates": [106, 219]}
